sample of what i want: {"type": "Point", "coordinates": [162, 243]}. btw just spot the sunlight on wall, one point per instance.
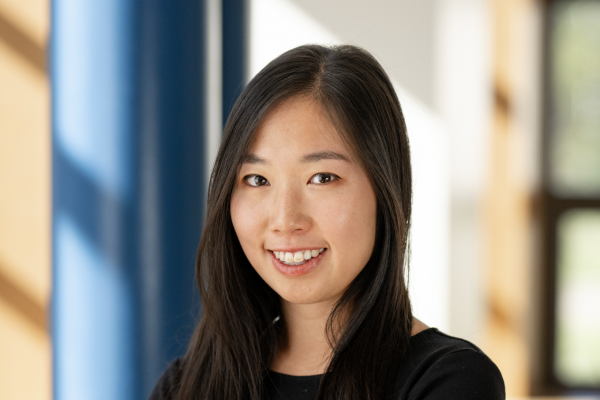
{"type": "Point", "coordinates": [89, 125]}
{"type": "Point", "coordinates": [25, 363]}
{"type": "Point", "coordinates": [463, 102]}
{"type": "Point", "coordinates": [103, 319]}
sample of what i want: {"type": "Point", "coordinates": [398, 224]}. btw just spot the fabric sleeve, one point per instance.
{"type": "Point", "coordinates": [168, 382]}
{"type": "Point", "coordinates": [463, 375]}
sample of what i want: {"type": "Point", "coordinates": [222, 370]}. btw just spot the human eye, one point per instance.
{"type": "Point", "coordinates": [323, 178]}
{"type": "Point", "coordinates": [255, 180]}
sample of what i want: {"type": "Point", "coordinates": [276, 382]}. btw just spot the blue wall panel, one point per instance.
{"type": "Point", "coordinates": [127, 87]}
{"type": "Point", "coordinates": [235, 53]}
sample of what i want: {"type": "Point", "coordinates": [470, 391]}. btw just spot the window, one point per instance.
{"type": "Point", "coordinates": [572, 196]}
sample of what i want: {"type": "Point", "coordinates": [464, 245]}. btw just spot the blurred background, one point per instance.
{"type": "Point", "coordinates": [110, 118]}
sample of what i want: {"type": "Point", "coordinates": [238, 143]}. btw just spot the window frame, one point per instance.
{"type": "Point", "coordinates": [553, 207]}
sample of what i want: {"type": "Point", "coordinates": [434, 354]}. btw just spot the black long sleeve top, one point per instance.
{"type": "Point", "coordinates": [436, 367]}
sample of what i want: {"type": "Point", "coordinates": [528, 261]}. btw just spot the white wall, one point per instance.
{"type": "Point", "coordinates": [398, 32]}
{"type": "Point", "coordinates": [436, 55]}
{"type": "Point", "coordinates": [463, 101]}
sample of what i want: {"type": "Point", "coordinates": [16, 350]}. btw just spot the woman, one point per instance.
{"type": "Point", "coordinates": [301, 265]}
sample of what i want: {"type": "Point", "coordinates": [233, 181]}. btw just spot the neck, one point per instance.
{"type": "Point", "coordinates": [306, 349]}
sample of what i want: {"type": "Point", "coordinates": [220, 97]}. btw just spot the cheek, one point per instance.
{"type": "Point", "coordinates": [248, 221]}
{"type": "Point", "coordinates": [350, 223]}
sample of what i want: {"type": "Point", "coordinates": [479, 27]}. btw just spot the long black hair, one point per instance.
{"type": "Point", "coordinates": [236, 339]}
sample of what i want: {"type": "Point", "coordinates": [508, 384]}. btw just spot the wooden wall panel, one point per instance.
{"type": "Point", "coordinates": [510, 213]}
{"type": "Point", "coordinates": [25, 265]}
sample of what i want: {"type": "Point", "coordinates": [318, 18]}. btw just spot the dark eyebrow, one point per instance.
{"type": "Point", "coordinates": [253, 159]}
{"type": "Point", "coordinates": [312, 157]}
{"type": "Point", "coordinates": [324, 155]}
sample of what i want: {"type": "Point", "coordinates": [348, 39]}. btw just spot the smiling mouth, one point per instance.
{"type": "Point", "coordinates": [298, 257]}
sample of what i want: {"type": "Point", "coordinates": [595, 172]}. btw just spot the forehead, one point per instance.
{"type": "Point", "coordinates": [298, 124]}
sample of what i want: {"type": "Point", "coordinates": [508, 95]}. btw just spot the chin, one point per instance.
{"type": "Point", "coordinates": [300, 299]}
{"type": "Point", "coordinates": [303, 294]}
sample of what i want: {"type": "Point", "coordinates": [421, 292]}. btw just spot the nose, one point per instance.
{"type": "Point", "coordinates": [288, 214]}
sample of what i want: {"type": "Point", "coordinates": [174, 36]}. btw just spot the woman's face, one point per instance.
{"type": "Point", "coordinates": [302, 197]}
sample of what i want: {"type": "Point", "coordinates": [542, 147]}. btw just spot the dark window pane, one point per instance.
{"type": "Point", "coordinates": [574, 159]}
{"type": "Point", "coordinates": [577, 347]}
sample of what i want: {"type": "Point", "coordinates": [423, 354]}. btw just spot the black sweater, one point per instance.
{"type": "Point", "coordinates": [437, 366]}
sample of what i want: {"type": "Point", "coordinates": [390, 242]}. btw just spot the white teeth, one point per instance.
{"type": "Point", "coordinates": [289, 257]}
{"type": "Point", "coordinates": [297, 258]}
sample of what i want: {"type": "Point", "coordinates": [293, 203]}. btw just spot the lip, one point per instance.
{"type": "Point", "coordinates": [297, 270]}
{"type": "Point", "coordinates": [295, 249]}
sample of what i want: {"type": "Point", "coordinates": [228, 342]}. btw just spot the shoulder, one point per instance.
{"type": "Point", "coordinates": [438, 366]}
{"type": "Point", "coordinates": [168, 382]}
